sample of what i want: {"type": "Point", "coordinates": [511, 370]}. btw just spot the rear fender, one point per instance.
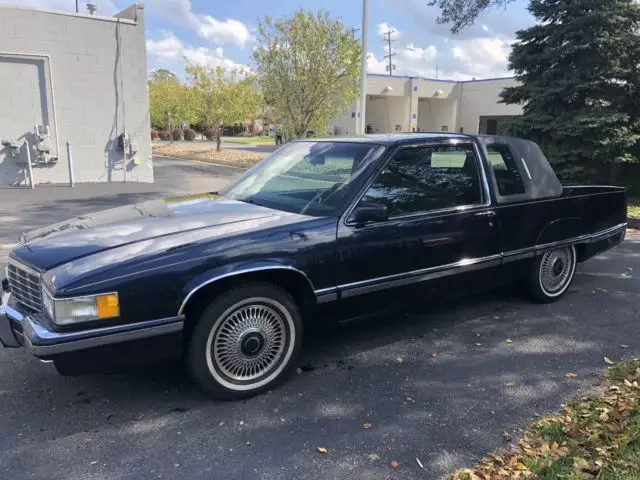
{"type": "Point", "coordinates": [562, 229]}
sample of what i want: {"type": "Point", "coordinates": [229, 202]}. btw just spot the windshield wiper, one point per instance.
{"type": "Point", "coordinates": [251, 201]}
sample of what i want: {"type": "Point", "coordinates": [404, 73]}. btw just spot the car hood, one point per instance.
{"type": "Point", "coordinates": [85, 235]}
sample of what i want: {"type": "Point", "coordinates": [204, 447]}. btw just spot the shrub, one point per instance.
{"type": "Point", "coordinates": [210, 134]}
{"type": "Point", "coordinates": [189, 134]}
{"type": "Point", "coordinates": [176, 134]}
{"type": "Point", "coordinates": [164, 136]}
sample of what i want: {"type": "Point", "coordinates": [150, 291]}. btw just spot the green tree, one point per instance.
{"type": "Point", "coordinates": [308, 68]}
{"type": "Point", "coordinates": [170, 102]}
{"type": "Point", "coordinates": [162, 74]}
{"type": "Point", "coordinates": [579, 78]}
{"type": "Point", "coordinates": [462, 13]}
{"type": "Point", "coordinates": [223, 97]}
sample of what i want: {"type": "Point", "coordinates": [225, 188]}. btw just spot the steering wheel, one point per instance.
{"type": "Point", "coordinates": [321, 196]}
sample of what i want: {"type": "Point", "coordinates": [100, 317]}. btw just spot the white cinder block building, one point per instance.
{"type": "Point", "coordinates": [74, 78]}
{"type": "Point", "coordinates": [411, 104]}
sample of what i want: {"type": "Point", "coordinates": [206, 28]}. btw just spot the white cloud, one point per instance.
{"type": "Point", "coordinates": [105, 7]}
{"type": "Point", "coordinates": [374, 65]}
{"type": "Point", "coordinates": [412, 53]}
{"type": "Point", "coordinates": [219, 32]}
{"type": "Point", "coordinates": [482, 57]}
{"type": "Point", "coordinates": [170, 51]}
{"type": "Point", "coordinates": [383, 28]}
{"type": "Point", "coordinates": [479, 51]}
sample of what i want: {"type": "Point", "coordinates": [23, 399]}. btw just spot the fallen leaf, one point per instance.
{"type": "Point", "coordinates": [94, 462]}
{"type": "Point", "coordinates": [373, 457]}
{"type": "Point", "coordinates": [248, 443]}
{"type": "Point", "coordinates": [571, 375]}
{"type": "Point", "coordinates": [321, 450]}
{"type": "Point", "coordinates": [497, 317]}
{"type": "Point", "coordinates": [434, 355]}
{"type": "Point", "coordinates": [478, 344]}
{"type": "Point", "coordinates": [394, 464]}
{"type": "Point", "coordinates": [399, 360]}
{"type": "Point", "coordinates": [624, 346]}
{"type": "Point", "coordinates": [608, 361]}
{"type": "Point", "coordinates": [628, 383]}
{"type": "Point", "coordinates": [508, 340]}
{"type": "Point", "coordinates": [366, 426]}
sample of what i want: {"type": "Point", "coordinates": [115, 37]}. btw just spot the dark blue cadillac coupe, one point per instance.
{"type": "Point", "coordinates": [322, 229]}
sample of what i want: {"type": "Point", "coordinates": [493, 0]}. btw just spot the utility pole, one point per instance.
{"type": "Point", "coordinates": [391, 67]}
{"type": "Point", "coordinates": [363, 68]}
{"type": "Point", "coordinates": [77, 6]}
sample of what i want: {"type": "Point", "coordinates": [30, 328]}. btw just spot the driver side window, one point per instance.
{"type": "Point", "coordinates": [427, 178]}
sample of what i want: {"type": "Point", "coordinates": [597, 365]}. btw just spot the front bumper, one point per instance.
{"type": "Point", "coordinates": [32, 331]}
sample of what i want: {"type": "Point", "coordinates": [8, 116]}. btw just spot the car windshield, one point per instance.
{"type": "Point", "coordinates": [306, 177]}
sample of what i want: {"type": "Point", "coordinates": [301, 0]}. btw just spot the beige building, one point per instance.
{"type": "Point", "coordinates": [411, 104]}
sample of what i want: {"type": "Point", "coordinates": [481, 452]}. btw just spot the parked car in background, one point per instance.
{"type": "Point", "coordinates": [231, 281]}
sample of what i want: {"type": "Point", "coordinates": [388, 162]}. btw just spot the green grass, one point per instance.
{"type": "Point", "coordinates": [552, 433]}
{"type": "Point", "coordinates": [250, 140]}
{"type": "Point", "coordinates": [633, 210]}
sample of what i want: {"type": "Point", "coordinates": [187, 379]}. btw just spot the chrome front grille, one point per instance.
{"type": "Point", "coordinates": [25, 286]}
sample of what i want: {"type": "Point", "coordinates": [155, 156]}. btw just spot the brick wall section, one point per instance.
{"type": "Point", "coordinates": [99, 79]}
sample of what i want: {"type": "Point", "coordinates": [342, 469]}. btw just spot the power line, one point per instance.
{"type": "Point", "coordinates": [389, 41]}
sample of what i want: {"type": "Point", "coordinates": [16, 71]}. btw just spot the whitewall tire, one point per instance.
{"type": "Point", "coordinates": [552, 274]}
{"type": "Point", "coordinates": [245, 342]}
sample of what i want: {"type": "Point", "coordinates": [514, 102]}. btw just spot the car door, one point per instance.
{"type": "Point", "coordinates": [440, 223]}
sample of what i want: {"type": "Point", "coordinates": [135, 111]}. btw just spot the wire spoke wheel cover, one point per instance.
{"type": "Point", "coordinates": [556, 270]}
{"type": "Point", "coordinates": [250, 343]}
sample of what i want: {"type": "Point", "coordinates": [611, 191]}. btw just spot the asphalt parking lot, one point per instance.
{"type": "Point", "coordinates": [441, 385]}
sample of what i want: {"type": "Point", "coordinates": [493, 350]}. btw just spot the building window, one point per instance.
{"type": "Point", "coordinates": [353, 114]}
{"type": "Point", "coordinates": [427, 178]}
{"type": "Point", "coordinates": [415, 88]}
{"type": "Point", "coordinates": [445, 128]}
{"type": "Point", "coordinates": [505, 170]}
{"type": "Point", "coordinates": [414, 116]}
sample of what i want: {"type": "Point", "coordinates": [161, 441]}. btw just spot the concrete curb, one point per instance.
{"type": "Point", "coordinates": [191, 159]}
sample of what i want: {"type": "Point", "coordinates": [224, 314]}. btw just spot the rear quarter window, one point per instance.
{"type": "Point", "coordinates": [505, 170]}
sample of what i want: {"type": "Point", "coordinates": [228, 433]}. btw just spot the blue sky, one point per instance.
{"type": "Point", "coordinates": [219, 32]}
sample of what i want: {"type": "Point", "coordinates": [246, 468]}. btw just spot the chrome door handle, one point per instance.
{"type": "Point", "coordinates": [487, 213]}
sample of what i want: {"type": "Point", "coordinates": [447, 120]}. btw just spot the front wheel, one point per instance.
{"type": "Point", "coordinates": [552, 273]}
{"type": "Point", "coordinates": [245, 342]}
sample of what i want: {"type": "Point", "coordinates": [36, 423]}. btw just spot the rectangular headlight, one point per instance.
{"type": "Point", "coordinates": [68, 311]}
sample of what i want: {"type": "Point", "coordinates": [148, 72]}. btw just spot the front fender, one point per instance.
{"type": "Point", "coordinates": [229, 270]}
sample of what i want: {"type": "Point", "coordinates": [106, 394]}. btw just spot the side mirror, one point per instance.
{"type": "Point", "coordinates": [371, 212]}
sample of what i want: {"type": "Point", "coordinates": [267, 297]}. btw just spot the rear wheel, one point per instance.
{"type": "Point", "coordinates": [552, 273]}
{"type": "Point", "coordinates": [245, 342]}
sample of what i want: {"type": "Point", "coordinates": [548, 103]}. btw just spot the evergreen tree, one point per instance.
{"type": "Point", "coordinates": [579, 76]}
